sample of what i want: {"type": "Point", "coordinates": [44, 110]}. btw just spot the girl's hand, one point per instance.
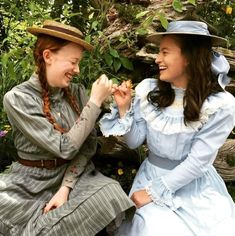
{"type": "Point", "coordinates": [58, 199]}
{"type": "Point", "coordinates": [122, 96]}
{"type": "Point", "coordinates": [140, 198]}
{"type": "Point", "coordinates": [101, 89]}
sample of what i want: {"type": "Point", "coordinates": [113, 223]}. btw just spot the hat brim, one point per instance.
{"type": "Point", "coordinates": [216, 40]}
{"type": "Point", "coordinates": [37, 31]}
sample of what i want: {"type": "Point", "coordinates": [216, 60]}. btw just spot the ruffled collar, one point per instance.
{"type": "Point", "coordinates": [170, 120]}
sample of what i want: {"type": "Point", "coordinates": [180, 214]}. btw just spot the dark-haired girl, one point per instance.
{"type": "Point", "coordinates": [184, 116]}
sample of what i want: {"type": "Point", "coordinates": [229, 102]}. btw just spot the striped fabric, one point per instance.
{"type": "Point", "coordinates": [94, 201]}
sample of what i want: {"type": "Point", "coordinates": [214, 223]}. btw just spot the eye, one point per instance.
{"type": "Point", "coordinates": [164, 53]}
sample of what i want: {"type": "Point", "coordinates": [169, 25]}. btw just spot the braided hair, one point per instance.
{"type": "Point", "coordinates": [54, 44]}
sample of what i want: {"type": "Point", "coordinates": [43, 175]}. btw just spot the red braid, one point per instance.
{"type": "Point", "coordinates": [54, 44]}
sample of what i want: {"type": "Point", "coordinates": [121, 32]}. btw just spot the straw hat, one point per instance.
{"type": "Point", "coordinates": [62, 31]}
{"type": "Point", "coordinates": [182, 27]}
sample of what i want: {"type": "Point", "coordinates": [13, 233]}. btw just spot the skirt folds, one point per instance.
{"type": "Point", "coordinates": [94, 202]}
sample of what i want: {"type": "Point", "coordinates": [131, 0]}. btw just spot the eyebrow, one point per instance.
{"type": "Point", "coordinates": [76, 59]}
{"type": "Point", "coordinates": [165, 48]}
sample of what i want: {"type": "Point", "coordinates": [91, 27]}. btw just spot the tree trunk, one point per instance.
{"type": "Point", "coordinates": [113, 150]}
{"type": "Point", "coordinates": [225, 161]}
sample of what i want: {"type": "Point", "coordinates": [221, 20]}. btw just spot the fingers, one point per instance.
{"type": "Point", "coordinates": [120, 92]}
{"type": "Point", "coordinates": [123, 89]}
{"type": "Point", "coordinates": [104, 82]}
{"type": "Point", "coordinates": [48, 207]}
{"type": "Point", "coordinates": [103, 79]}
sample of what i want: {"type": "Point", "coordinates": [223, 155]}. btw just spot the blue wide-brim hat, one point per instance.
{"type": "Point", "coordinates": [182, 27]}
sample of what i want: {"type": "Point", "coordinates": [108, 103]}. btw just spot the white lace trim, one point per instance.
{"type": "Point", "coordinates": [167, 124]}
{"type": "Point", "coordinates": [111, 124]}
{"type": "Point", "coordinates": [155, 198]}
{"type": "Point", "coordinates": [166, 197]}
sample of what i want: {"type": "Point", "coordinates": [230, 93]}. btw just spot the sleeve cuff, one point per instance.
{"type": "Point", "coordinates": [111, 124]}
{"type": "Point", "coordinates": [160, 194]}
{"type": "Point", "coordinates": [69, 183]}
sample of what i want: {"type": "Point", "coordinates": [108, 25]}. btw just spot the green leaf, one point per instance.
{"type": "Point", "coordinates": [11, 70]}
{"type": "Point", "coordinates": [163, 21]}
{"type": "Point", "coordinates": [94, 24]}
{"type": "Point", "coordinates": [88, 38]}
{"type": "Point", "coordinates": [108, 59]}
{"type": "Point", "coordinates": [141, 31]}
{"type": "Point", "coordinates": [148, 21]}
{"type": "Point", "coordinates": [91, 16]}
{"type": "Point", "coordinates": [141, 14]}
{"type": "Point", "coordinates": [177, 5]}
{"type": "Point", "coordinates": [127, 63]}
{"type": "Point", "coordinates": [115, 80]}
{"type": "Point", "coordinates": [113, 52]}
{"type": "Point", "coordinates": [193, 2]}
{"type": "Point", "coordinates": [117, 64]}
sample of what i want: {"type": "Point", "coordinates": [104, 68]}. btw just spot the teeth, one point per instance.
{"type": "Point", "coordinates": [69, 76]}
{"type": "Point", "coordinates": [162, 67]}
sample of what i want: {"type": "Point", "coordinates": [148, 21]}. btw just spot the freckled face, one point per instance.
{"type": "Point", "coordinates": [62, 65]}
{"type": "Point", "coordinates": [172, 63]}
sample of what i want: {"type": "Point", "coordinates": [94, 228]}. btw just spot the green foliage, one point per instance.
{"type": "Point", "coordinates": [149, 16]}
{"type": "Point", "coordinates": [163, 20]}
{"type": "Point", "coordinates": [102, 61]}
{"type": "Point", "coordinates": [131, 13]}
{"type": "Point", "coordinates": [216, 14]}
{"type": "Point", "coordinates": [177, 5]}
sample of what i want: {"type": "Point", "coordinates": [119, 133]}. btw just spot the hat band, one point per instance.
{"type": "Point", "coordinates": [66, 31]}
{"type": "Point", "coordinates": [186, 27]}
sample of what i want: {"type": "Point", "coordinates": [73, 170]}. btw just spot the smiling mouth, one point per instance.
{"type": "Point", "coordinates": [69, 76]}
{"type": "Point", "coordinates": [162, 68]}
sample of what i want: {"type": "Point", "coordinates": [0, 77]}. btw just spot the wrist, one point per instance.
{"type": "Point", "coordinates": [97, 103]}
{"type": "Point", "coordinates": [65, 189]}
{"type": "Point", "coordinates": [123, 111]}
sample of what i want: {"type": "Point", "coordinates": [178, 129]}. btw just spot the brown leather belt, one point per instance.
{"type": "Point", "coordinates": [48, 164]}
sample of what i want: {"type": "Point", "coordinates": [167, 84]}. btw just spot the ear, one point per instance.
{"type": "Point", "coordinates": [47, 56]}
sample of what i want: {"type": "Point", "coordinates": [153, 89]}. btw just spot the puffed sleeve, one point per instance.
{"type": "Point", "coordinates": [203, 152]}
{"type": "Point", "coordinates": [133, 125]}
{"type": "Point", "coordinates": [25, 113]}
{"type": "Point", "coordinates": [112, 124]}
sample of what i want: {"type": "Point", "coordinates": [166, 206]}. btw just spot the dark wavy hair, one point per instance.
{"type": "Point", "coordinates": [201, 81]}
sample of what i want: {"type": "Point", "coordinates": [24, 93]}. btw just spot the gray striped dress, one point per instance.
{"type": "Point", "coordinates": [94, 200]}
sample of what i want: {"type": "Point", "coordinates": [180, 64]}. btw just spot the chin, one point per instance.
{"type": "Point", "coordinates": [65, 85]}
{"type": "Point", "coordinates": [164, 79]}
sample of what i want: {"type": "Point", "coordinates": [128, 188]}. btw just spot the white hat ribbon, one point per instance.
{"type": "Point", "coordinates": [220, 67]}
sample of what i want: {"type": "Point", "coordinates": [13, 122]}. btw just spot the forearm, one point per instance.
{"type": "Point", "coordinates": [137, 134]}
{"type": "Point", "coordinates": [79, 163]}
{"type": "Point", "coordinates": [84, 125]}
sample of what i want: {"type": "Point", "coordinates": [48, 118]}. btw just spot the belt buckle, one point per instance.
{"type": "Point", "coordinates": [51, 163]}
{"type": "Point", "coordinates": [42, 163]}
{"type": "Point", "coordinates": [55, 162]}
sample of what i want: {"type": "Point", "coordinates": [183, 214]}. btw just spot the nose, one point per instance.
{"type": "Point", "coordinates": [158, 59]}
{"type": "Point", "coordinates": [76, 69]}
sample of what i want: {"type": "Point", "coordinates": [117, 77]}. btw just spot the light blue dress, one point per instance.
{"type": "Point", "coordinates": [189, 196]}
